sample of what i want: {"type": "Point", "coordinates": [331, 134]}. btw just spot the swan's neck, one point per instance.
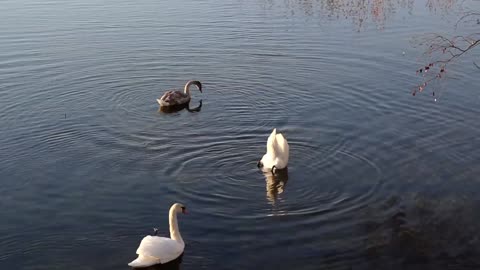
{"type": "Point", "coordinates": [174, 232]}
{"type": "Point", "coordinates": [186, 90]}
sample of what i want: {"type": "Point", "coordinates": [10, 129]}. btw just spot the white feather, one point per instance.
{"type": "Point", "coordinates": [277, 151]}
{"type": "Point", "coordinates": [155, 250]}
{"type": "Point", "coordinates": [143, 261]}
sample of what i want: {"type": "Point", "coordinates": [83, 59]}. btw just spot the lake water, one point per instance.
{"type": "Point", "coordinates": [378, 178]}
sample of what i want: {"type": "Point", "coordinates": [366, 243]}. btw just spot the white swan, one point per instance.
{"type": "Point", "coordinates": [176, 98]}
{"type": "Point", "coordinates": [154, 249]}
{"type": "Point", "coordinates": [277, 153]}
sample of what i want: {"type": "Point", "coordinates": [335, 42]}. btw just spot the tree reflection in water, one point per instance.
{"type": "Point", "coordinates": [429, 232]}
{"type": "Point", "coordinates": [360, 12]}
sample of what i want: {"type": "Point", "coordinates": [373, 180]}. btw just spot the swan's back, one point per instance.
{"type": "Point", "coordinates": [154, 250]}
{"type": "Point", "coordinates": [277, 151]}
{"type": "Point", "coordinates": [282, 148]}
{"type": "Point", "coordinates": [172, 98]}
{"type": "Point", "coordinates": [271, 141]}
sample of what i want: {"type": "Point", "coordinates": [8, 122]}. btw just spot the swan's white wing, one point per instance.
{"type": "Point", "coordinates": [159, 248]}
{"type": "Point", "coordinates": [271, 143]}
{"type": "Point", "coordinates": [165, 249]}
{"type": "Point", "coordinates": [143, 261]}
{"type": "Point", "coordinates": [282, 150]}
{"type": "Point", "coordinates": [277, 151]}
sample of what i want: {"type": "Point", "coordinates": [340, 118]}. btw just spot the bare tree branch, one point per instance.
{"type": "Point", "coordinates": [446, 50]}
{"type": "Point", "coordinates": [467, 16]}
{"type": "Point", "coordinates": [475, 64]}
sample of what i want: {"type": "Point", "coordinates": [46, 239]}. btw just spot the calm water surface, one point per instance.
{"type": "Point", "coordinates": [378, 178]}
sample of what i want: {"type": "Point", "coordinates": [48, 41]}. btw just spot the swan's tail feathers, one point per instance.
{"type": "Point", "coordinates": [143, 261]}
{"type": "Point", "coordinates": [271, 142]}
{"type": "Point", "coordinates": [159, 101]}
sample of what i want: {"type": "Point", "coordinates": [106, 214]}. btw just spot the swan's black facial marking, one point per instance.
{"type": "Point", "coordinates": [184, 210]}
{"type": "Point", "coordinates": [259, 164]}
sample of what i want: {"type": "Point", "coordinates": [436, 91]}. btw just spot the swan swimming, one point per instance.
{"type": "Point", "coordinates": [276, 157]}
{"type": "Point", "coordinates": [160, 250]}
{"type": "Point", "coordinates": [176, 98]}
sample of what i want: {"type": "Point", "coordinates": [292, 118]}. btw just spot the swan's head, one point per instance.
{"type": "Point", "coordinates": [179, 208]}
{"type": "Point", "coordinates": [196, 83]}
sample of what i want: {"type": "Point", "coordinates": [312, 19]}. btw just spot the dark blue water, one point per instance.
{"type": "Point", "coordinates": [378, 178]}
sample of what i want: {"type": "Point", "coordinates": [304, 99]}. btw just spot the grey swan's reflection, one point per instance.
{"type": "Point", "coordinates": [275, 184]}
{"type": "Point", "coordinates": [172, 265]}
{"type": "Point", "coordinates": [177, 108]}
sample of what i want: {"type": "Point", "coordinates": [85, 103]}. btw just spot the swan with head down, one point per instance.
{"type": "Point", "coordinates": [178, 98]}
{"type": "Point", "coordinates": [277, 154]}
{"type": "Point", "coordinates": [160, 250]}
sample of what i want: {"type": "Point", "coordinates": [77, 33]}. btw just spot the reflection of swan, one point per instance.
{"type": "Point", "coordinates": [277, 153]}
{"type": "Point", "coordinates": [176, 108]}
{"type": "Point", "coordinates": [275, 184]}
{"type": "Point", "coordinates": [154, 249]}
{"type": "Point", "coordinates": [176, 98]}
